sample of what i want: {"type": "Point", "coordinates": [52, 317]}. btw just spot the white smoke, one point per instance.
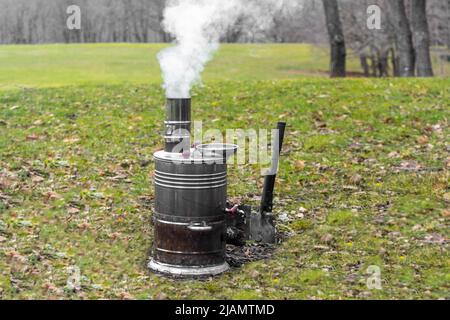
{"type": "Point", "coordinates": [197, 26]}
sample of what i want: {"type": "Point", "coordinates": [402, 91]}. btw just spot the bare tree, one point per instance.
{"type": "Point", "coordinates": [448, 24]}
{"type": "Point", "coordinates": [41, 21]}
{"type": "Point", "coordinates": [336, 37]}
{"type": "Point", "coordinates": [403, 38]}
{"type": "Point", "coordinates": [421, 37]}
{"type": "Point", "coordinates": [372, 45]}
{"type": "Point", "coordinates": [381, 52]}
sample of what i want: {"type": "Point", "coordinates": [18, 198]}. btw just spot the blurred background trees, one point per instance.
{"type": "Point", "coordinates": [410, 29]}
{"type": "Point", "coordinates": [44, 21]}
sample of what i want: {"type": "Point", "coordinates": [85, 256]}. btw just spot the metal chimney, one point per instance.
{"type": "Point", "coordinates": [177, 125]}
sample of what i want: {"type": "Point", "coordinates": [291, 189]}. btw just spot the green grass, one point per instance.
{"type": "Point", "coordinates": [367, 158]}
{"type": "Point", "coordinates": [59, 65]}
{"type": "Point", "coordinates": [93, 64]}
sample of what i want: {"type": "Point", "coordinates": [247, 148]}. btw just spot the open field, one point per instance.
{"type": "Point", "coordinates": [364, 178]}
{"type": "Point", "coordinates": [59, 65]}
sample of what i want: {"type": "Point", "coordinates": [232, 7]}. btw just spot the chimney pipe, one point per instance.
{"type": "Point", "coordinates": [177, 125]}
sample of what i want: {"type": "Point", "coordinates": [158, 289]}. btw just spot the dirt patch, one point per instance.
{"type": "Point", "coordinates": [237, 256]}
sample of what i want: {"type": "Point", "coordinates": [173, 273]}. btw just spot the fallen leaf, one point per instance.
{"type": "Point", "coordinates": [114, 236]}
{"type": "Point", "coordinates": [394, 154]}
{"type": "Point", "coordinates": [437, 128]}
{"type": "Point", "coordinates": [283, 217]}
{"type": "Point", "coordinates": [254, 274]}
{"type": "Point", "coordinates": [37, 179]}
{"type": "Point", "coordinates": [71, 140]}
{"type": "Point", "coordinates": [410, 165]}
{"type": "Point", "coordinates": [356, 179]}
{"type": "Point", "coordinates": [326, 238]}
{"type": "Point", "coordinates": [435, 238]}
{"type": "Point", "coordinates": [447, 197]}
{"type": "Point", "coordinates": [300, 215]}
{"type": "Point", "coordinates": [126, 296]}
{"type": "Point", "coordinates": [160, 296]}
{"type": "Point", "coordinates": [52, 195]}
{"type": "Point", "coordinates": [119, 177]}
{"type": "Point", "coordinates": [423, 140]}
{"type": "Point", "coordinates": [302, 210]}
{"type": "Point", "coordinates": [84, 225]}
{"type": "Point", "coordinates": [319, 247]}
{"type": "Point", "coordinates": [32, 137]}
{"type": "Point", "coordinates": [5, 183]}
{"type": "Point", "coordinates": [300, 165]}
{"type": "Point", "coordinates": [50, 287]}
{"type": "Point", "coordinates": [73, 210]}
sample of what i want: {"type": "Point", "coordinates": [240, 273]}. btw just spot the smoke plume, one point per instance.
{"type": "Point", "coordinates": [197, 27]}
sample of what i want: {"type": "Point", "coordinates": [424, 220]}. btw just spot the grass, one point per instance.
{"type": "Point", "coordinates": [60, 65]}
{"type": "Point", "coordinates": [97, 64]}
{"type": "Point", "coordinates": [363, 180]}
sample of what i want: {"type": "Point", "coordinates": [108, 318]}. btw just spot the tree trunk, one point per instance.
{"type": "Point", "coordinates": [448, 24]}
{"type": "Point", "coordinates": [394, 62]}
{"type": "Point", "coordinates": [364, 64]}
{"type": "Point", "coordinates": [383, 63]}
{"type": "Point", "coordinates": [403, 38]}
{"type": "Point", "coordinates": [336, 35]}
{"type": "Point", "coordinates": [373, 65]}
{"type": "Point", "coordinates": [421, 37]}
